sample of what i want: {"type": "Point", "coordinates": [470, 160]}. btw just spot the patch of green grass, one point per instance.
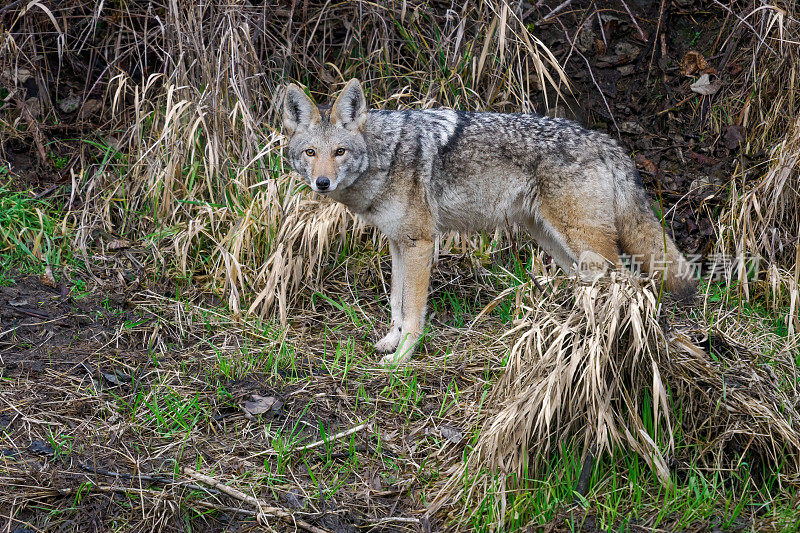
{"type": "Point", "coordinates": [449, 304]}
{"type": "Point", "coordinates": [165, 411]}
{"type": "Point", "coordinates": [238, 364]}
{"type": "Point", "coordinates": [403, 391]}
{"type": "Point", "coordinates": [28, 230]}
{"type": "Point", "coordinates": [58, 161]}
{"type": "Point", "coordinates": [344, 359]}
{"type": "Point", "coordinates": [5, 279]}
{"type": "Point", "coordinates": [60, 442]}
{"type": "Point", "coordinates": [624, 492]}
{"type": "Point", "coordinates": [764, 306]}
{"type": "Point", "coordinates": [348, 309]}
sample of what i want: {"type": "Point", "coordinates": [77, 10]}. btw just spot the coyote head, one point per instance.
{"type": "Point", "coordinates": [326, 144]}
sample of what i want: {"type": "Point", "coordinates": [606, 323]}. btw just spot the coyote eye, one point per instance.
{"type": "Point", "coordinates": [339, 152]}
{"type": "Point", "coordinates": [310, 152]}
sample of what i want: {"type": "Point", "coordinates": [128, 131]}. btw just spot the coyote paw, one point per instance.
{"type": "Point", "coordinates": [394, 360]}
{"type": "Point", "coordinates": [402, 354]}
{"type": "Point", "coordinates": [389, 342]}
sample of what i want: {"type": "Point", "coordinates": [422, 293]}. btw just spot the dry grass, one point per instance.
{"type": "Point", "coordinates": [761, 221]}
{"type": "Point", "coordinates": [203, 166]}
{"type": "Point", "coordinates": [583, 361]}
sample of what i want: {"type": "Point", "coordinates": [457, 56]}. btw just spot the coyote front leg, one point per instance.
{"type": "Point", "coordinates": [415, 257]}
{"type": "Point", "coordinates": [390, 341]}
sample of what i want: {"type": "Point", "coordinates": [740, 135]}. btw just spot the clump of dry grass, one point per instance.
{"type": "Point", "coordinates": [583, 360]}
{"type": "Point", "coordinates": [761, 221]}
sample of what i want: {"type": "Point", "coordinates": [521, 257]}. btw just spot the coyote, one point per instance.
{"type": "Point", "coordinates": [414, 174]}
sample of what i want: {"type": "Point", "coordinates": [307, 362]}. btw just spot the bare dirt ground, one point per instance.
{"type": "Point", "coordinates": [114, 386]}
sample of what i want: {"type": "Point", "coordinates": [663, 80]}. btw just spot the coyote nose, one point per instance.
{"type": "Point", "coordinates": [323, 183]}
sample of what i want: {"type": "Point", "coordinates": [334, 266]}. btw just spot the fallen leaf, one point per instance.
{"type": "Point", "coordinates": [703, 187]}
{"type": "Point", "coordinates": [451, 434]}
{"type": "Point", "coordinates": [40, 448]}
{"type": "Point", "coordinates": [34, 107]}
{"type": "Point", "coordinates": [118, 244]}
{"type": "Point", "coordinates": [20, 75]}
{"type": "Point", "coordinates": [599, 47]}
{"type": "Point", "coordinates": [586, 36]}
{"type": "Point", "coordinates": [694, 62]}
{"type": "Point", "coordinates": [630, 126]}
{"type": "Point", "coordinates": [258, 405]}
{"type": "Point", "coordinates": [375, 481]}
{"type": "Point", "coordinates": [626, 50]}
{"type": "Point", "coordinates": [647, 165]}
{"type": "Point", "coordinates": [626, 70]}
{"type": "Point", "coordinates": [114, 377]}
{"type": "Point", "coordinates": [705, 86]}
{"type": "Point", "coordinates": [734, 135]}
{"type": "Point", "coordinates": [70, 103]}
{"type": "Point", "coordinates": [703, 159]}
{"type": "Point", "coordinates": [295, 499]}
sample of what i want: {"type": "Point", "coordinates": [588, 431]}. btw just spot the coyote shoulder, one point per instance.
{"type": "Point", "coordinates": [414, 174]}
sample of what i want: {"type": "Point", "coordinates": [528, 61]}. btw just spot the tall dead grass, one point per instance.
{"type": "Point", "coordinates": [761, 223]}
{"type": "Point", "coordinates": [195, 172]}
{"type": "Point", "coordinates": [594, 365]}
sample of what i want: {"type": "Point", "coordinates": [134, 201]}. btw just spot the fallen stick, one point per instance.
{"type": "Point", "coordinates": [313, 445]}
{"type": "Point", "coordinates": [345, 433]}
{"type": "Point", "coordinates": [676, 106]}
{"type": "Point", "coordinates": [264, 511]}
{"type": "Point", "coordinates": [398, 519]}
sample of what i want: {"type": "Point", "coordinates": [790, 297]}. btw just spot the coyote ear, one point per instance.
{"type": "Point", "coordinates": [299, 111]}
{"type": "Point", "coordinates": [350, 109]}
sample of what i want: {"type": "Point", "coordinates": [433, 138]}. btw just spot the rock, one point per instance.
{"type": "Point", "coordinates": [89, 108]}
{"type": "Point", "coordinates": [70, 103]}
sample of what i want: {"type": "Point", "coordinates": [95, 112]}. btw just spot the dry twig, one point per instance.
{"type": "Point", "coordinates": [265, 511]}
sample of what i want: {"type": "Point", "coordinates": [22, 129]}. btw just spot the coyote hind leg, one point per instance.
{"type": "Point", "coordinates": [587, 248]}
